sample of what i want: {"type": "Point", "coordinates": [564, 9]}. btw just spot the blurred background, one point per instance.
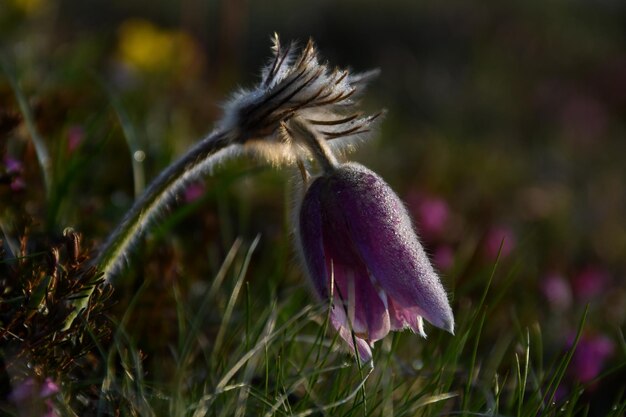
{"type": "Point", "coordinates": [504, 135]}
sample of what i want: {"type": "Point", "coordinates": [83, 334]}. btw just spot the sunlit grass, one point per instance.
{"type": "Point", "coordinates": [241, 354]}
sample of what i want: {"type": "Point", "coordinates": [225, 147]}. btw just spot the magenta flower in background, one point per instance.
{"type": "Point", "coordinates": [33, 397]}
{"type": "Point", "coordinates": [443, 257]}
{"type": "Point", "coordinates": [557, 291]}
{"type": "Point", "coordinates": [75, 136]}
{"type": "Point", "coordinates": [194, 191]}
{"type": "Point", "coordinates": [590, 357]}
{"type": "Point", "coordinates": [431, 213]}
{"type": "Point", "coordinates": [48, 388]}
{"type": "Point", "coordinates": [15, 168]}
{"type": "Point", "coordinates": [23, 391]}
{"type": "Point", "coordinates": [359, 246]}
{"type": "Point", "coordinates": [18, 184]}
{"type": "Point", "coordinates": [12, 165]}
{"type": "Point", "coordinates": [589, 283]}
{"type": "Point", "coordinates": [496, 236]}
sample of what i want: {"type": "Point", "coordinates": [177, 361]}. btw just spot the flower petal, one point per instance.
{"type": "Point", "coordinates": [381, 229]}
{"type": "Point", "coordinates": [406, 318]}
{"type": "Point", "coordinates": [372, 304]}
{"type": "Point", "coordinates": [327, 252]}
{"type": "Point", "coordinates": [366, 307]}
{"type": "Point", "coordinates": [312, 245]}
{"type": "Point", "coordinates": [339, 321]}
{"type": "Point", "coordinates": [366, 304]}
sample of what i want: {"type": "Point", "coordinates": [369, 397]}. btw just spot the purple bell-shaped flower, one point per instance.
{"type": "Point", "coordinates": [359, 246]}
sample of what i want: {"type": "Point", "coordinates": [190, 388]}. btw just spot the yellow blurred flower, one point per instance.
{"type": "Point", "coordinates": [147, 48]}
{"type": "Point", "coordinates": [27, 6]}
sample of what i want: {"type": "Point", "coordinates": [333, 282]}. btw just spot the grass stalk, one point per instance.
{"type": "Point", "coordinates": [198, 161]}
{"type": "Point", "coordinates": [43, 156]}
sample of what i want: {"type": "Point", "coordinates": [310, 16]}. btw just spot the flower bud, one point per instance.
{"type": "Point", "coordinates": [359, 247]}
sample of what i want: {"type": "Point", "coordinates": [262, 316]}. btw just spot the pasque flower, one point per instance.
{"type": "Point", "coordinates": [293, 86]}
{"type": "Point", "coordinates": [360, 249]}
{"type": "Point", "coordinates": [355, 235]}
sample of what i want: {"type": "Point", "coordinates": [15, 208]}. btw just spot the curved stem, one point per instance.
{"type": "Point", "coordinates": [196, 162]}
{"type": "Point", "coordinates": [307, 135]}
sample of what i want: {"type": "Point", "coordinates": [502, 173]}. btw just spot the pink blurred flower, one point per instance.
{"type": "Point", "coordinates": [75, 136]}
{"type": "Point", "coordinates": [561, 393]}
{"type": "Point", "coordinates": [194, 191]}
{"type": "Point", "coordinates": [23, 391]}
{"type": "Point", "coordinates": [15, 168]}
{"type": "Point", "coordinates": [48, 388]}
{"type": "Point", "coordinates": [557, 291]}
{"type": "Point", "coordinates": [590, 282]}
{"type": "Point", "coordinates": [431, 214]}
{"type": "Point", "coordinates": [33, 397]}
{"type": "Point", "coordinates": [18, 184]}
{"type": "Point", "coordinates": [590, 357]}
{"type": "Point", "coordinates": [496, 236]}
{"type": "Point", "coordinates": [12, 165]}
{"type": "Point", "coordinates": [443, 257]}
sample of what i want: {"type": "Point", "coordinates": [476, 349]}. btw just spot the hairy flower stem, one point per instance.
{"type": "Point", "coordinates": [298, 101]}
{"type": "Point", "coordinates": [302, 132]}
{"type": "Point", "coordinates": [198, 161]}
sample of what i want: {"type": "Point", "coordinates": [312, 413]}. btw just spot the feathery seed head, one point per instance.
{"type": "Point", "coordinates": [297, 85]}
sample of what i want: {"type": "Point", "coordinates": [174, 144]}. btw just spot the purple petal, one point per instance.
{"type": "Point", "coordinates": [381, 229]}
{"type": "Point", "coordinates": [366, 309]}
{"type": "Point", "coordinates": [328, 251]}
{"type": "Point", "coordinates": [310, 222]}
{"type": "Point", "coordinates": [371, 308]}
{"type": "Point", "coordinates": [339, 321]}
{"type": "Point", "coordinates": [406, 318]}
{"type": "Point", "coordinates": [365, 303]}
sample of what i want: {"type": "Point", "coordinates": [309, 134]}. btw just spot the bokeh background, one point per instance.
{"type": "Point", "coordinates": [504, 134]}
